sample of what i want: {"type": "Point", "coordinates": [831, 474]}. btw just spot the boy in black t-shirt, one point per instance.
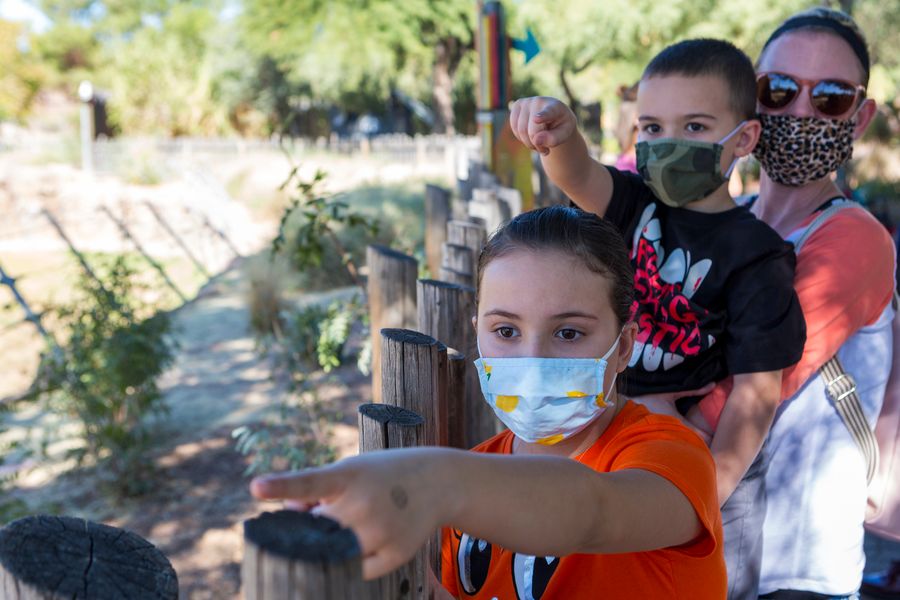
{"type": "Point", "coordinates": [714, 285]}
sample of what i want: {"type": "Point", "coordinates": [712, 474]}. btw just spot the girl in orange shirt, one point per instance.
{"type": "Point", "coordinates": [587, 495]}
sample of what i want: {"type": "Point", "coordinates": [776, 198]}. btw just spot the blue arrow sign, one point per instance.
{"type": "Point", "coordinates": [529, 45]}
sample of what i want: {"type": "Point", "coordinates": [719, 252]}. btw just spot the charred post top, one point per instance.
{"type": "Point", "coordinates": [66, 557]}
{"type": "Point", "coordinates": [387, 413]}
{"type": "Point", "coordinates": [302, 536]}
{"type": "Point", "coordinates": [408, 336]}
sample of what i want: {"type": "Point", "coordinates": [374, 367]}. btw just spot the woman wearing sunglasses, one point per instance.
{"type": "Point", "coordinates": [812, 77]}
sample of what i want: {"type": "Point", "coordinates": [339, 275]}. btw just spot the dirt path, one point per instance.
{"type": "Point", "coordinates": [195, 510]}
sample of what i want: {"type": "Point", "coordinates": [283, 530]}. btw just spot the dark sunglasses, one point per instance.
{"type": "Point", "coordinates": [830, 97]}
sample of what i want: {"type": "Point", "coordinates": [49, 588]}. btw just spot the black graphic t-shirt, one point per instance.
{"type": "Point", "coordinates": [714, 293]}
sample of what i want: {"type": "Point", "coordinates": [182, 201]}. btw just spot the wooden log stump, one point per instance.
{"type": "Point", "coordinates": [383, 426]}
{"type": "Point", "coordinates": [296, 555]}
{"type": "Point", "coordinates": [414, 368]}
{"type": "Point", "coordinates": [391, 289]}
{"type": "Point", "coordinates": [457, 265]}
{"type": "Point", "coordinates": [437, 215]}
{"type": "Point", "coordinates": [54, 558]}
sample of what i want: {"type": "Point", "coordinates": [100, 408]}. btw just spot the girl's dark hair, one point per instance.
{"type": "Point", "coordinates": [577, 233]}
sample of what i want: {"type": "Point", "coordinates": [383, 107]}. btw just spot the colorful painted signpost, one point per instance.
{"type": "Point", "coordinates": [503, 155]}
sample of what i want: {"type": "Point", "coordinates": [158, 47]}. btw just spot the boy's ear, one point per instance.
{"type": "Point", "coordinates": [626, 346]}
{"type": "Point", "coordinates": [747, 138]}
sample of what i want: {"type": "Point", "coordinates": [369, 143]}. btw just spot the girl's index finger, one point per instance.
{"type": "Point", "coordinates": [309, 485]}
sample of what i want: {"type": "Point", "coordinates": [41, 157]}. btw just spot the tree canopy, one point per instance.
{"type": "Point", "coordinates": [262, 66]}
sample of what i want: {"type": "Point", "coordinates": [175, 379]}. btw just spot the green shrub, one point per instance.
{"type": "Point", "coordinates": [104, 375]}
{"type": "Point", "coordinates": [300, 437]}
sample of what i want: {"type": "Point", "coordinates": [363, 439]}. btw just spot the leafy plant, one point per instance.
{"type": "Point", "coordinates": [104, 374]}
{"type": "Point", "coordinates": [301, 437]}
{"type": "Point", "coordinates": [309, 227]}
{"type": "Point", "coordinates": [314, 336]}
{"type": "Point", "coordinates": [10, 508]}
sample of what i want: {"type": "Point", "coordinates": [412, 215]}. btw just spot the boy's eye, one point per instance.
{"type": "Point", "coordinates": [505, 332]}
{"type": "Point", "coordinates": [695, 127]}
{"type": "Point", "coordinates": [568, 334]}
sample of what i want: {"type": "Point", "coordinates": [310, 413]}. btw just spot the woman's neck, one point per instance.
{"type": "Point", "coordinates": [784, 208]}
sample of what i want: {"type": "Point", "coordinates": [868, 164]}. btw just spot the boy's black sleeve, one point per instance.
{"type": "Point", "coordinates": [766, 329]}
{"type": "Point", "coordinates": [630, 195]}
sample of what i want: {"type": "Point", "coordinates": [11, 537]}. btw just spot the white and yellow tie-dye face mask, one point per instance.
{"type": "Point", "coordinates": [545, 400]}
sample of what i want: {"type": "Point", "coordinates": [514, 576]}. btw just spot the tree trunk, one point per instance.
{"type": "Point", "coordinates": [446, 60]}
{"type": "Point", "coordinates": [574, 104]}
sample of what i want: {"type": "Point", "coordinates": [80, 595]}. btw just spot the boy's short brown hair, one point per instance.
{"type": "Point", "coordinates": [699, 57]}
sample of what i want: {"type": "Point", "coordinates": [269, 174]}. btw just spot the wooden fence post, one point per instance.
{"type": "Point", "coordinates": [487, 206]}
{"type": "Point", "coordinates": [414, 377]}
{"type": "Point", "coordinates": [457, 369]}
{"type": "Point", "coordinates": [467, 234]}
{"type": "Point", "coordinates": [445, 313]}
{"type": "Point", "coordinates": [437, 215]}
{"type": "Point", "coordinates": [296, 555]}
{"type": "Point", "coordinates": [55, 558]}
{"type": "Point", "coordinates": [457, 265]}
{"type": "Point", "coordinates": [391, 290]}
{"type": "Point", "coordinates": [383, 426]}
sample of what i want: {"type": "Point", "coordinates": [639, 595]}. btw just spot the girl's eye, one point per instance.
{"type": "Point", "coordinates": [568, 334]}
{"type": "Point", "coordinates": [652, 128]}
{"type": "Point", "coordinates": [506, 332]}
{"type": "Point", "coordinates": [695, 127]}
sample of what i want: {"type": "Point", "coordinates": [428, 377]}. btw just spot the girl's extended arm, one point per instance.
{"type": "Point", "coordinates": [743, 427]}
{"type": "Point", "coordinates": [543, 506]}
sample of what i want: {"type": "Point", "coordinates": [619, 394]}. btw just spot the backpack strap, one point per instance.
{"type": "Point", "coordinates": [798, 237]}
{"type": "Point", "coordinates": [840, 387]}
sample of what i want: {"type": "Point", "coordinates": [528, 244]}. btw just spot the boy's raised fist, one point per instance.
{"type": "Point", "coordinates": [541, 123]}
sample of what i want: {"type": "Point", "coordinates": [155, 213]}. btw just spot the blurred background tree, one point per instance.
{"type": "Point", "coordinates": [312, 67]}
{"type": "Point", "coordinates": [22, 75]}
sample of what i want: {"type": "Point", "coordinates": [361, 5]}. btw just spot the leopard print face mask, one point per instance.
{"type": "Point", "coordinates": [796, 150]}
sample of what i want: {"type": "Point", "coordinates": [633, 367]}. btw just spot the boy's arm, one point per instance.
{"type": "Point", "coordinates": [542, 506]}
{"type": "Point", "coordinates": [549, 126]}
{"type": "Point", "coordinates": [743, 427]}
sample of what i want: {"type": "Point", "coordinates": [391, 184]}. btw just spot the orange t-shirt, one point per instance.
{"type": "Point", "coordinates": [844, 280]}
{"type": "Point", "coordinates": [635, 439]}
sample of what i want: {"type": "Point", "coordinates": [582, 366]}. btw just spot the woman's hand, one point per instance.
{"type": "Point", "coordinates": [391, 500]}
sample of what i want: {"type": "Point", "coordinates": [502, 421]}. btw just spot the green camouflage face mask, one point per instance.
{"type": "Point", "coordinates": [681, 171]}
